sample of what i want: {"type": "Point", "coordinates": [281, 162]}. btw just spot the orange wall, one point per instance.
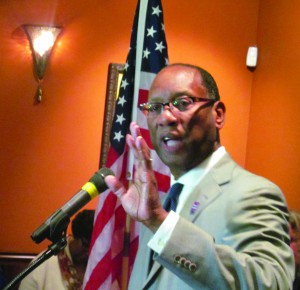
{"type": "Point", "coordinates": [49, 151]}
{"type": "Point", "coordinates": [274, 138]}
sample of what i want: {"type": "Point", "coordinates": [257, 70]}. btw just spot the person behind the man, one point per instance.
{"type": "Point", "coordinates": [230, 228]}
{"type": "Point", "coordinates": [66, 270]}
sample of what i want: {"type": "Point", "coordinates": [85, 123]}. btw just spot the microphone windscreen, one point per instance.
{"type": "Point", "coordinates": [98, 178]}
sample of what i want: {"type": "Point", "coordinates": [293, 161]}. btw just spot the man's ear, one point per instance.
{"type": "Point", "coordinates": [219, 113]}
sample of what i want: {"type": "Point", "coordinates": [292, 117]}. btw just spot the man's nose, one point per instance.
{"type": "Point", "coordinates": [167, 116]}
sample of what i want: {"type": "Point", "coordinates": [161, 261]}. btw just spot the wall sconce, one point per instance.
{"type": "Point", "coordinates": [42, 39]}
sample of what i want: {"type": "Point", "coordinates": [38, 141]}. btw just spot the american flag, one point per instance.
{"type": "Point", "coordinates": [147, 55]}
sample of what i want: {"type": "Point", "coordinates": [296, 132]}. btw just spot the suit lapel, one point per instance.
{"type": "Point", "coordinates": [208, 189]}
{"type": "Point", "coordinates": [200, 197]}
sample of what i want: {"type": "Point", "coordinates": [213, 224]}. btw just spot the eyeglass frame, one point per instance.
{"type": "Point", "coordinates": [171, 106]}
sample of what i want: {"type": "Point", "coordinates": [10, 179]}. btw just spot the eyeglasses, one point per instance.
{"type": "Point", "coordinates": [181, 104]}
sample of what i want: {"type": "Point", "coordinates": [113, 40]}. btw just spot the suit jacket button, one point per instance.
{"type": "Point", "coordinates": [182, 261]}
{"type": "Point", "coordinates": [192, 267]}
{"type": "Point", "coordinates": [177, 259]}
{"type": "Point", "coordinates": [187, 264]}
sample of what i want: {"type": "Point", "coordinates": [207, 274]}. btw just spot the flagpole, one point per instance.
{"type": "Point", "coordinates": [137, 75]}
{"type": "Point", "coordinates": [130, 162]}
{"type": "Point", "coordinates": [126, 252]}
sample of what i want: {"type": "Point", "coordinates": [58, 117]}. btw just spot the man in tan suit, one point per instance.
{"type": "Point", "coordinates": [228, 229]}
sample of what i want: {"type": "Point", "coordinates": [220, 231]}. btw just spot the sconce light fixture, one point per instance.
{"type": "Point", "coordinates": [42, 39]}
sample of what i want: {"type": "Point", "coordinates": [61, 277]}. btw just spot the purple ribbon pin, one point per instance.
{"type": "Point", "coordinates": [194, 207]}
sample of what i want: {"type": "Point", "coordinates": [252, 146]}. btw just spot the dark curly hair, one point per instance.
{"type": "Point", "coordinates": [82, 224]}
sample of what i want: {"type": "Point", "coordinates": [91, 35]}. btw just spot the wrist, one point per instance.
{"type": "Point", "coordinates": [158, 217]}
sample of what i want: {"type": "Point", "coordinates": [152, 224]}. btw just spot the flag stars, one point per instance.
{"type": "Point", "coordinates": [126, 66]}
{"type": "Point", "coordinates": [121, 101]}
{"type": "Point", "coordinates": [159, 46]}
{"type": "Point", "coordinates": [120, 119]}
{"type": "Point", "coordinates": [146, 53]}
{"type": "Point", "coordinates": [124, 84]}
{"type": "Point", "coordinates": [156, 10]}
{"type": "Point", "coordinates": [118, 136]}
{"type": "Point", "coordinates": [151, 31]}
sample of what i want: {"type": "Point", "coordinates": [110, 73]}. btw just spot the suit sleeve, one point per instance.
{"type": "Point", "coordinates": [250, 250]}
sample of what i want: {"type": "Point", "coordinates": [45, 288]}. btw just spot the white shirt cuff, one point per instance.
{"type": "Point", "coordinates": [164, 232]}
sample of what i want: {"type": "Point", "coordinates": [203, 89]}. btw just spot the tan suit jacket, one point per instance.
{"type": "Point", "coordinates": [236, 239]}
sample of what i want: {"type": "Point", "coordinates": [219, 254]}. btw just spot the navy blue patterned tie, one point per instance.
{"type": "Point", "coordinates": [172, 198]}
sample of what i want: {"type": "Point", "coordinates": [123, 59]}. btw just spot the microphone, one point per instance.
{"type": "Point", "coordinates": [56, 225]}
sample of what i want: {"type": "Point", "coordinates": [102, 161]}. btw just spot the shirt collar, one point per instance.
{"type": "Point", "coordinates": [192, 176]}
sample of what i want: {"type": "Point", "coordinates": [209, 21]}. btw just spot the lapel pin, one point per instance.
{"type": "Point", "coordinates": [194, 207]}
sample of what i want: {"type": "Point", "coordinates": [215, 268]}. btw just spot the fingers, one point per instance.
{"type": "Point", "coordinates": [139, 146]}
{"type": "Point", "coordinates": [135, 130]}
{"type": "Point", "coordinates": [132, 137]}
{"type": "Point", "coordinates": [143, 153]}
{"type": "Point", "coordinates": [115, 185]}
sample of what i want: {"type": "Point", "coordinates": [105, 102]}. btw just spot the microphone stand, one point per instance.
{"type": "Point", "coordinates": [58, 237]}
